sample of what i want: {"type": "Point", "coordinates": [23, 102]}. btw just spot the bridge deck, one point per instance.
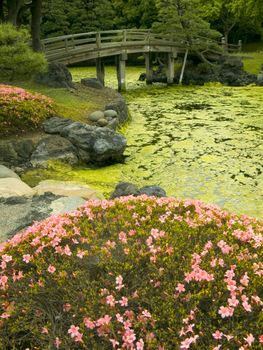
{"type": "Point", "coordinates": [76, 48]}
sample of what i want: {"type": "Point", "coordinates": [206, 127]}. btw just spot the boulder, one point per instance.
{"type": "Point", "coordinates": [66, 204]}
{"type": "Point", "coordinates": [54, 125]}
{"type": "Point", "coordinates": [110, 114]}
{"type": "Point", "coordinates": [67, 189]}
{"type": "Point", "coordinates": [92, 82]}
{"type": "Point", "coordinates": [125, 189]}
{"type": "Point", "coordinates": [5, 172]}
{"type": "Point", "coordinates": [95, 116]}
{"type": "Point", "coordinates": [27, 210]}
{"type": "Point", "coordinates": [153, 190]}
{"type": "Point", "coordinates": [128, 189]}
{"type": "Point", "coordinates": [101, 144]}
{"type": "Point", "coordinates": [54, 148]}
{"type": "Point", "coordinates": [57, 76]}
{"type": "Point", "coordinates": [12, 187]}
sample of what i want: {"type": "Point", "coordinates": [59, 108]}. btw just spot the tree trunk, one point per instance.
{"type": "Point", "coordinates": [13, 7]}
{"type": "Point", "coordinates": [36, 8]}
{"type": "Point", "coordinates": [2, 16]}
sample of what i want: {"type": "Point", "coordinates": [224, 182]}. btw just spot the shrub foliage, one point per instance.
{"type": "Point", "coordinates": [134, 273]}
{"type": "Point", "coordinates": [17, 59]}
{"type": "Point", "coordinates": [21, 110]}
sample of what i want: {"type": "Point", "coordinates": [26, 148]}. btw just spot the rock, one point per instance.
{"type": "Point", "coordinates": [125, 189]}
{"type": "Point", "coordinates": [17, 153]}
{"type": "Point", "coordinates": [66, 204]}
{"type": "Point", "coordinates": [5, 172]}
{"type": "Point", "coordinates": [54, 125]}
{"type": "Point", "coordinates": [110, 113]}
{"type": "Point", "coordinates": [67, 189]}
{"type": "Point", "coordinates": [101, 144]}
{"type": "Point", "coordinates": [57, 76]}
{"type": "Point", "coordinates": [102, 122]}
{"type": "Point", "coordinates": [95, 116]}
{"type": "Point", "coordinates": [153, 190]}
{"type": "Point", "coordinates": [24, 212]}
{"type": "Point", "coordinates": [12, 187]}
{"type": "Point", "coordinates": [54, 148]}
{"type": "Point", "coordinates": [27, 210]}
{"type": "Point", "coordinates": [92, 82]}
{"type": "Point", "coordinates": [119, 105]}
{"type": "Point", "coordinates": [113, 124]}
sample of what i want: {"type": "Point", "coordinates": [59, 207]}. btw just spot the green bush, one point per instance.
{"type": "Point", "coordinates": [22, 111]}
{"type": "Point", "coordinates": [134, 273]}
{"type": "Point", "coordinates": [17, 59]}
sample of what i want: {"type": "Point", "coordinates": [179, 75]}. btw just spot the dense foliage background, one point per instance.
{"type": "Point", "coordinates": [235, 19]}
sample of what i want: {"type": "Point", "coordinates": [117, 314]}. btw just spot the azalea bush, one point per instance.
{"type": "Point", "coordinates": [134, 273]}
{"type": "Point", "coordinates": [21, 110]}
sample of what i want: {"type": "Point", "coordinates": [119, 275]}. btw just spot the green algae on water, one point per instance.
{"type": "Point", "coordinates": [195, 142]}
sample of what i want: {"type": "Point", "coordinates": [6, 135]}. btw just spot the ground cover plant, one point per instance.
{"type": "Point", "coordinates": [134, 273]}
{"type": "Point", "coordinates": [21, 110]}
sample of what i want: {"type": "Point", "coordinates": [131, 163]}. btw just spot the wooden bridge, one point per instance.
{"type": "Point", "coordinates": [81, 47]}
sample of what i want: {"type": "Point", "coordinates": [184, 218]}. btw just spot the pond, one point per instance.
{"type": "Point", "coordinates": [195, 142]}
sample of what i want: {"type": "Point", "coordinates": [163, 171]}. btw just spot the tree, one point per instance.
{"type": "Point", "coordinates": [184, 21]}
{"type": "Point", "coordinates": [17, 60]}
{"type": "Point", "coordinates": [225, 15]}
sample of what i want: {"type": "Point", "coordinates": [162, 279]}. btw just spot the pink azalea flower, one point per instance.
{"type": "Point", "coordinates": [27, 258]}
{"type": "Point", "coordinates": [73, 331]}
{"type": "Point", "coordinates": [57, 342]}
{"type": "Point", "coordinates": [88, 323]}
{"type": "Point", "coordinates": [51, 269]}
{"type": "Point", "coordinates": [123, 301]}
{"type": "Point", "coordinates": [217, 335]}
{"type": "Point", "coordinates": [140, 344]}
{"type": "Point", "coordinates": [6, 258]}
{"type": "Point", "coordinates": [249, 339]}
{"type": "Point", "coordinates": [110, 300]}
{"type": "Point", "coordinates": [226, 311]}
{"type": "Point", "coordinates": [180, 288]}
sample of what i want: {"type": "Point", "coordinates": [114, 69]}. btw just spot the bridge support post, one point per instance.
{"type": "Point", "coordinates": [170, 68]}
{"type": "Point", "coordinates": [149, 69]}
{"type": "Point", "coordinates": [121, 71]}
{"type": "Point", "coordinates": [100, 70]}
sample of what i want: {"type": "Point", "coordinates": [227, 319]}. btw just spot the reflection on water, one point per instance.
{"type": "Point", "coordinates": [195, 142]}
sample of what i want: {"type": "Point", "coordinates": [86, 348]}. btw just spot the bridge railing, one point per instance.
{"type": "Point", "coordinates": [64, 46]}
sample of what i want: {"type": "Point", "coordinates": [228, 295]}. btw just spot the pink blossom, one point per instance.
{"type": "Point", "coordinates": [140, 344]}
{"type": "Point", "coordinates": [114, 343]}
{"type": "Point", "coordinates": [6, 258]}
{"type": "Point", "coordinates": [51, 269]}
{"type": "Point", "coordinates": [249, 339]}
{"type": "Point", "coordinates": [217, 335]}
{"type": "Point", "coordinates": [88, 323]}
{"type": "Point", "coordinates": [123, 237]}
{"type": "Point", "coordinates": [57, 342]}
{"type": "Point", "coordinates": [245, 280]}
{"type": "Point", "coordinates": [226, 311]}
{"type": "Point", "coordinates": [180, 288]}
{"type": "Point", "coordinates": [110, 300]}
{"type": "Point", "coordinates": [27, 258]}
{"type": "Point", "coordinates": [146, 314]}
{"type": "Point", "coordinates": [73, 331]}
{"type": "Point", "coordinates": [129, 336]}
{"type": "Point", "coordinates": [123, 301]}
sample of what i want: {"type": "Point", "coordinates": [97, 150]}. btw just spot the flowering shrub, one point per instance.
{"type": "Point", "coordinates": [21, 110]}
{"type": "Point", "coordinates": [134, 273]}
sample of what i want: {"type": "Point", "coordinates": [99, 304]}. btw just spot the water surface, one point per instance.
{"type": "Point", "coordinates": [195, 142]}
